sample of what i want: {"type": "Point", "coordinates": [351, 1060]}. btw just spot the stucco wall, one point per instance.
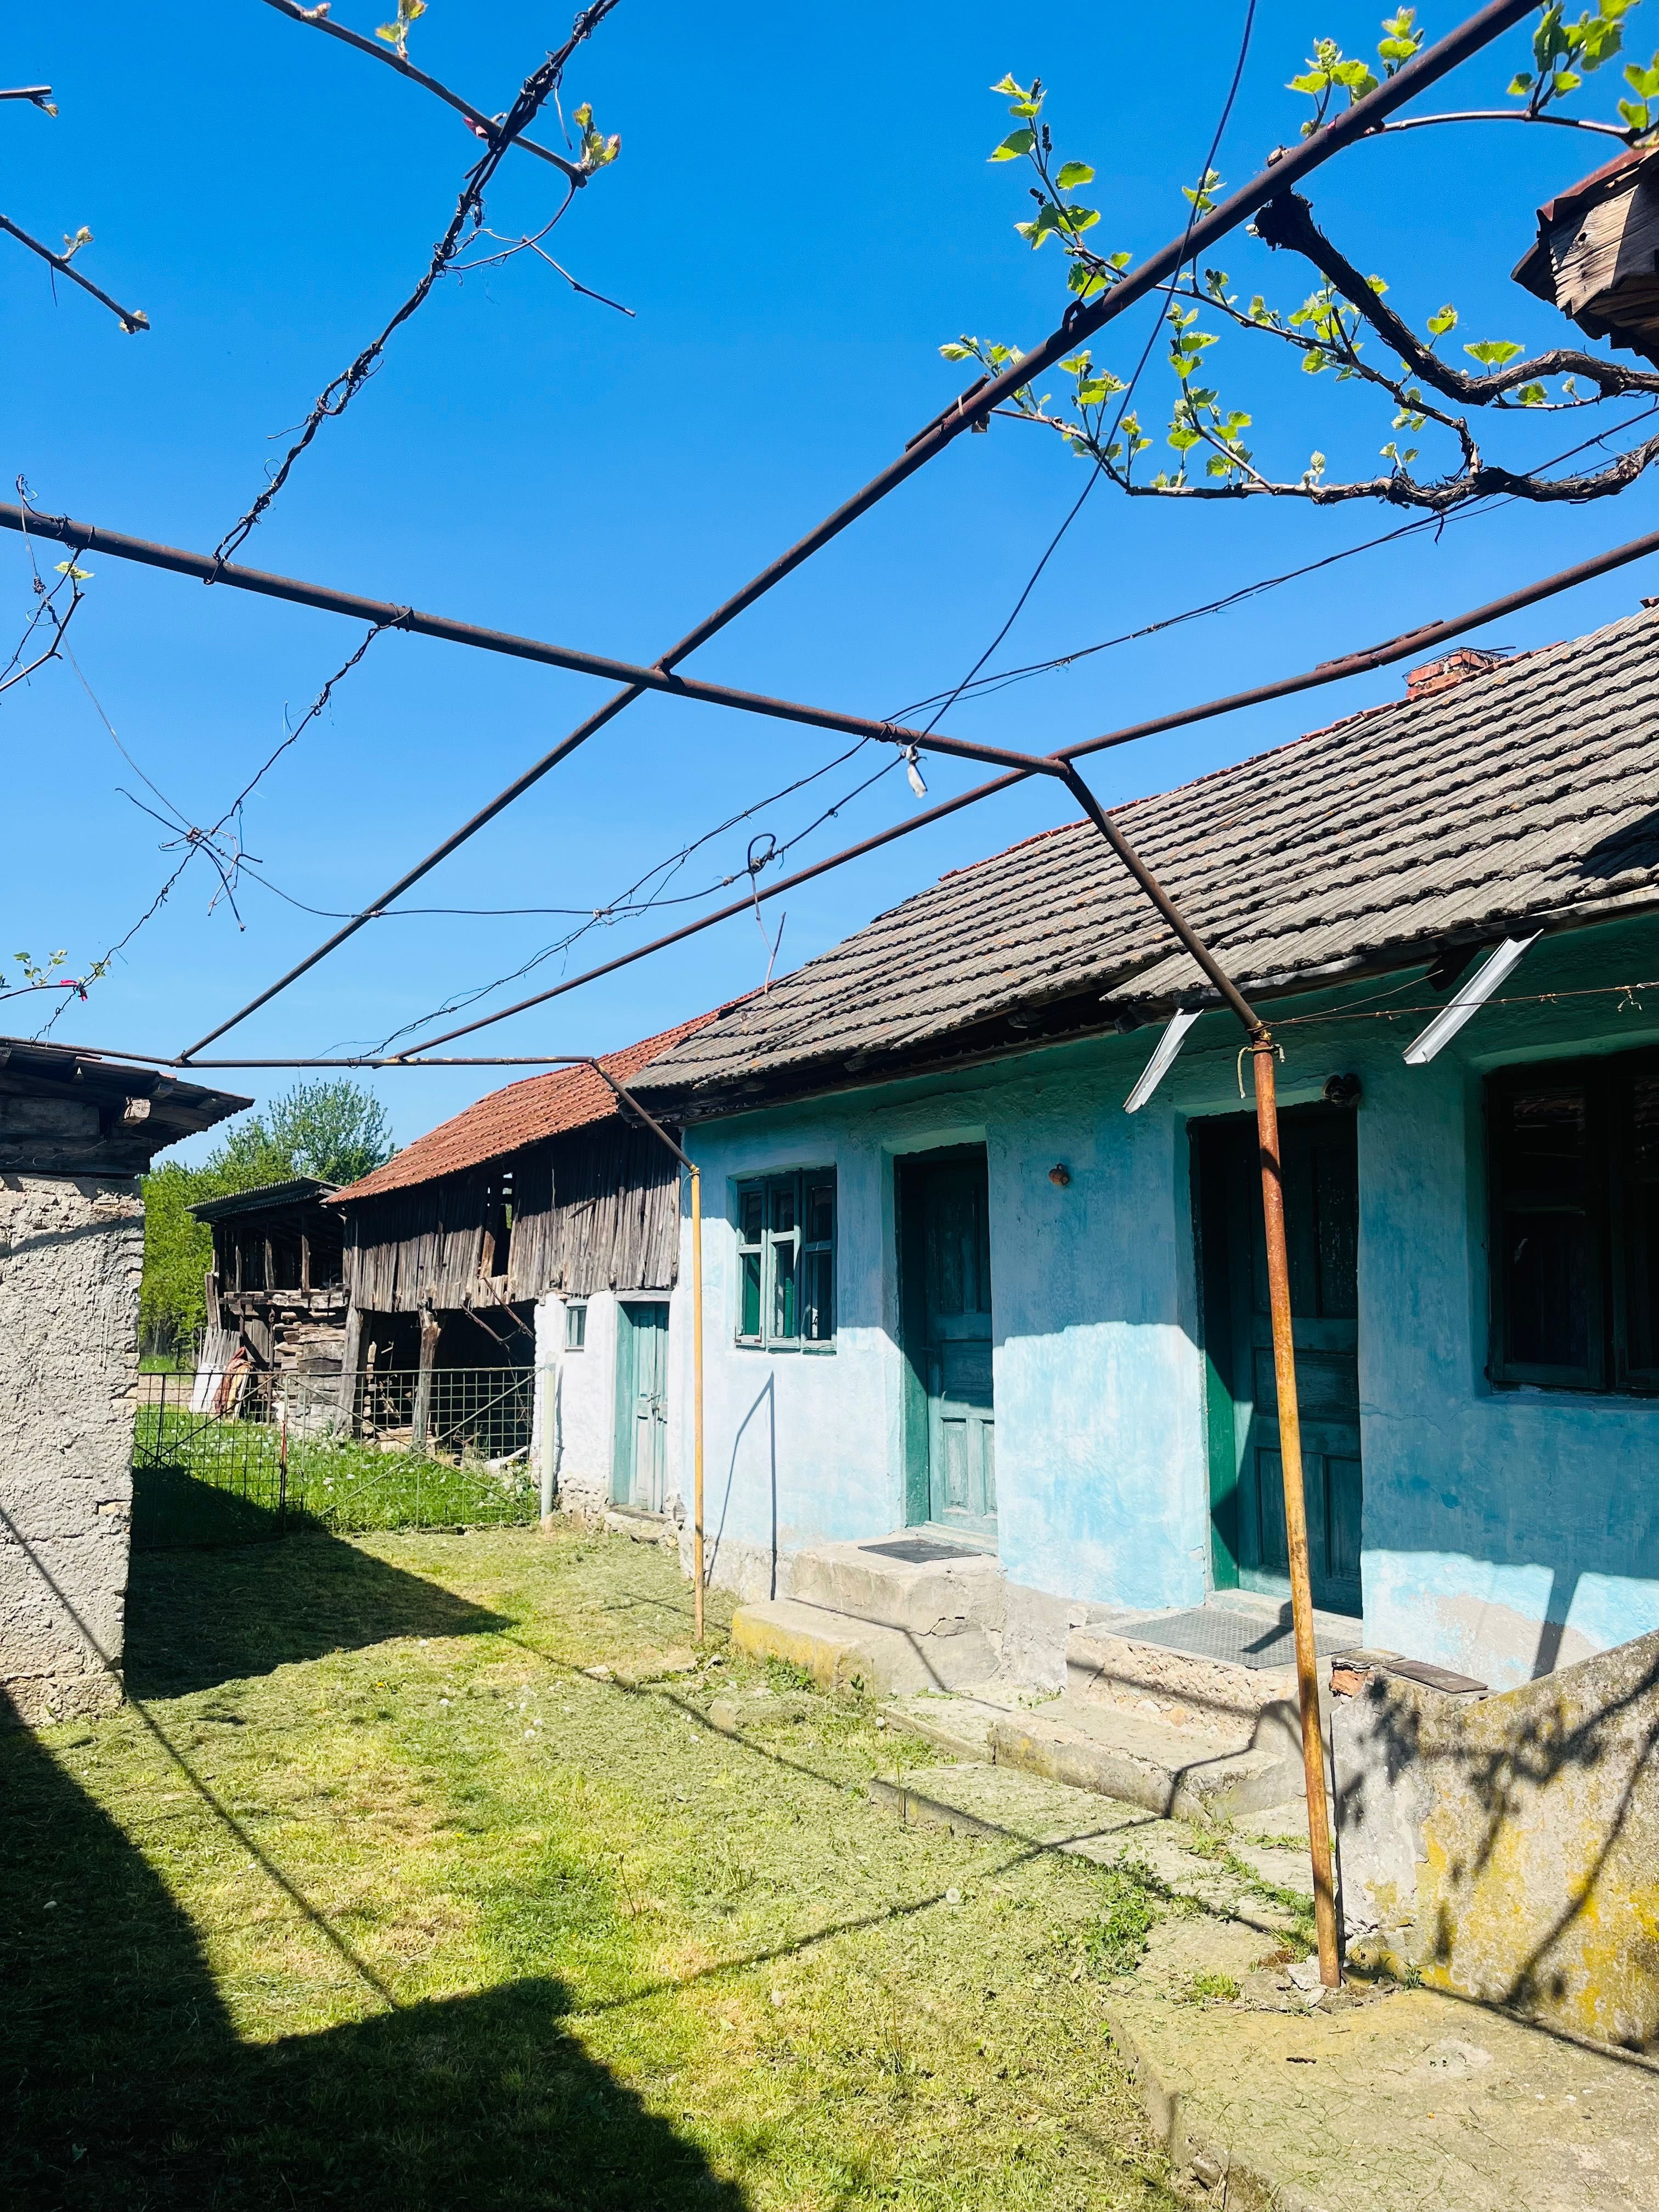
{"type": "Point", "coordinates": [577, 1391]}
{"type": "Point", "coordinates": [72, 1252]}
{"type": "Point", "coordinates": [1504, 1532]}
{"type": "Point", "coordinates": [1100, 1482]}
{"type": "Point", "coordinates": [1507, 1847]}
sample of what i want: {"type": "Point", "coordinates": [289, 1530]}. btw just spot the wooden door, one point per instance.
{"type": "Point", "coordinates": [949, 1213]}
{"type": "Point", "coordinates": [641, 1406]}
{"type": "Point", "coordinates": [1321, 1220]}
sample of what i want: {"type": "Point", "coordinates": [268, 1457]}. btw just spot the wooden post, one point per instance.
{"type": "Point", "coordinates": [422, 1411]}
{"type": "Point", "coordinates": [1296, 1512]}
{"type": "Point", "coordinates": [697, 1399]}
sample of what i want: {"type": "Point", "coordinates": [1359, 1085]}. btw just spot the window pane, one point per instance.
{"type": "Point", "coordinates": [575, 1327]}
{"type": "Point", "coordinates": [1542, 1143]}
{"type": "Point", "coordinates": [821, 1212]}
{"type": "Point", "coordinates": [784, 1322]}
{"type": "Point", "coordinates": [818, 1317]}
{"type": "Point", "coordinates": [749, 1324]}
{"type": "Point", "coordinates": [783, 1207]}
{"type": "Point", "coordinates": [1547, 1288]}
{"type": "Point", "coordinates": [753, 1214]}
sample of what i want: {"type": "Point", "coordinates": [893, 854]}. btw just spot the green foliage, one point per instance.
{"type": "Point", "coordinates": [597, 150]}
{"type": "Point", "coordinates": [335, 1129]}
{"type": "Point", "coordinates": [1211, 1989]}
{"type": "Point", "coordinates": [397, 34]}
{"type": "Point", "coordinates": [1133, 1901]}
{"type": "Point", "coordinates": [1328, 71]}
{"type": "Point", "coordinates": [1564, 54]}
{"type": "Point", "coordinates": [177, 1253]}
{"type": "Point", "coordinates": [1644, 83]}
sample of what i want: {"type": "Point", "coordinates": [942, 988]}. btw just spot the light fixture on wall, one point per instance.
{"type": "Point", "coordinates": [1342, 1090]}
{"type": "Point", "coordinates": [1060, 1175]}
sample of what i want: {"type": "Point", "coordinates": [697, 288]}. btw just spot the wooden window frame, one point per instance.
{"type": "Point", "coordinates": [764, 1249]}
{"type": "Point", "coordinates": [1613, 1187]}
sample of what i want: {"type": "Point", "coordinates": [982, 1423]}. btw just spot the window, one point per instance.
{"type": "Point", "coordinates": [1574, 1149]}
{"type": "Point", "coordinates": [575, 1326]}
{"type": "Point", "coordinates": [786, 1259]}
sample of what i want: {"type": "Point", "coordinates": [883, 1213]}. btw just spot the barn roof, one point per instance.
{"type": "Point", "coordinates": [507, 1121]}
{"type": "Point", "coordinates": [1527, 792]}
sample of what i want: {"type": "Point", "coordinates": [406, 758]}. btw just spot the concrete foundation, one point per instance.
{"type": "Point", "coordinates": [1506, 1848]}
{"type": "Point", "coordinates": [72, 1252]}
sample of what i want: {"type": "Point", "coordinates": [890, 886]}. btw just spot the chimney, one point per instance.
{"type": "Point", "coordinates": [1453, 668]}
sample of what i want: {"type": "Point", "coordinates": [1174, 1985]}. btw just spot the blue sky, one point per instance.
{"type": "Point", "coordinates": [802, 212]}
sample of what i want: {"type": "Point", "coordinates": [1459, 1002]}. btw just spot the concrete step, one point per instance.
{"type": "Point", "coordinates": [1181, 1773]}
{"type": "Point", "coordinates": [1239, 1708]}
{"type": "Point", "coordinates": [841, 1653]}
{"type": "Point", "coordinates": [960, 1725]}
{"type": "Point", "coordinates": [925, 1596]}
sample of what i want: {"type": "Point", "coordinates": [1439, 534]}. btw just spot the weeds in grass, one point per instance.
{"type": "Point", "coordinates": [1210, 1988]}
{"type": "Point", "coordinates": [783, 1674]}
{"type": "Point", "coordinates": [1216, 1846]}
{"type": "Point", "coordinates": [1134, 1900]}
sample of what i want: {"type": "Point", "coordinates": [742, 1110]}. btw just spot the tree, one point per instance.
{"type": "Point", "coordinates": [1328, 332]}
{"type": "Point", "coordinates": [334, 1130]}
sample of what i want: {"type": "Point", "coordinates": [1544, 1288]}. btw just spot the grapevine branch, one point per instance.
{"type": "Point", "coordinates": [1328, 331]}
{"type": "Point", "coordinates": [466, 221]}
{"type": "Point", "coordinates": [487, 127]}
{"type": "Point", "coordinates": [132, 320]}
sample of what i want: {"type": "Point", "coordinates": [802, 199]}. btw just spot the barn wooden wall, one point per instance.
{"type": "Point", "coordinates": [596, 1210]}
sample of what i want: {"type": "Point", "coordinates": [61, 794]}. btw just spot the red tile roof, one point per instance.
{"type": "Point", "coordinates": [523, 1113]}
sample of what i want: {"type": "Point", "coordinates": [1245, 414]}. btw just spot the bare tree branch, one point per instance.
{"type": "Point", "coordinates": [1507, 115]}
{"type": "Point", "coordinates": [131, 318]}
{"type": "Point", "coordinates": [1288, 221]}
{"type": "Point", "coordinates": [467, 219]}
{"type": "Point", "coordinates": [487, 127]}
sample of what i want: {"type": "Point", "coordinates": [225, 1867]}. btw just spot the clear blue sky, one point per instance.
{"type": "Point", "coordinates": [802, 211]}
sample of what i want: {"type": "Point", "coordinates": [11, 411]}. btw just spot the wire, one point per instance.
{"type": "Point", "coordinates": [1053, 546]}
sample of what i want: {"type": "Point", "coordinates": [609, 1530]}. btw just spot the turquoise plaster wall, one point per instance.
{"type": "Point", "coordinates": [1504, 1531]}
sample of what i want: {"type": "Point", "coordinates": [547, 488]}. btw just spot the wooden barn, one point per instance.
{"type": "Point", "coordinates": [276, 1292]}
{"type": "Point", "coordinates": [492, 1235]}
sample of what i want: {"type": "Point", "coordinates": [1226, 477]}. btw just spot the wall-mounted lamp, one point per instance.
{"type": "Point", "coordinates": [1342, 1090]}
{"type": "Point", "coordinates": [1060, 1175]}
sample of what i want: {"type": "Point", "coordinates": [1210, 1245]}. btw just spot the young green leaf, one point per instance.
{"type": "Point", "coordinates": [1070, 174]}
{"type": "Point", "coordinates": [1494, 353]}
{"type": "Point", "coordinates": [1015, 144]}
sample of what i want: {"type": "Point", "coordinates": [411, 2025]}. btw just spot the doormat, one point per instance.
{"type": "Point", "coordinates": [920, 1551]}
{"type": "Point", "coordinates": [1242, 1639]}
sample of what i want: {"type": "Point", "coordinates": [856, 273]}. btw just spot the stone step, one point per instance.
{"type": "Point", "coordinates": [1178, 1773]}
{"type": "Point", "coordinates": [925, 1596]}
{"type": "Point", "coordinates": [960, 1725]}
{"type": "Point", "coordinates": [1241, 1708]}
{"type": "Point", "coordinates": [841, 1653]}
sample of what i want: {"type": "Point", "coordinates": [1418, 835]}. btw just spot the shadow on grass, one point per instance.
{"type": "Point", "coordinates": [196, 1618]}
{"type": "Point", "coordinates": [124, 2085]}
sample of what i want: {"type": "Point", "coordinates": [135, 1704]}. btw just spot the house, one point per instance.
{"type": "Point", "coordinates": [535, 1236]}
{"type": "Point", "coordinates": [76, 1131]}
{"type": "Point", "coordinates": [276, 1291]}
{"type": "Point", "coordinates": [989, 1385]}
{"type": "Point", "coordinates": [957, 1297]}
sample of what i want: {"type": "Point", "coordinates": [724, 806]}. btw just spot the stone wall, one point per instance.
{"type": "Point", "coordinates": [1507, 1848]}
{"type": "Point", "coordinates": [72, 1252]}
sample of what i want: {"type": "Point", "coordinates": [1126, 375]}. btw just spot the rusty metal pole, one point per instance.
{"type": "Point", "coordinates": [697, 1398]}
{"type": "Point", "coordinates": [1262, 1050]}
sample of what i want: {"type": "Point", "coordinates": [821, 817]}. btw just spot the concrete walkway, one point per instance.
{"type": "Point", "coordinates": [1272, 2097]}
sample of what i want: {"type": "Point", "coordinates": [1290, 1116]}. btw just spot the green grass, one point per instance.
{"type": "Point", "coordinates": [208, 1482]}
{"type": "Point", "coordinates": [372, 1898]}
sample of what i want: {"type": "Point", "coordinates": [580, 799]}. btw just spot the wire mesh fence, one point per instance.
{"type": "Point", "coordinates": [233, 1456]}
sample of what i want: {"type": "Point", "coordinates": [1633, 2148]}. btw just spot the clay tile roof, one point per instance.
{"type": "Point", "coordinates": [1527, 793]}
{"type": "Point", "coordinates": [524, 1113]}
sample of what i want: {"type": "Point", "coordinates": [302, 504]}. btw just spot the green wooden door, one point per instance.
{"type": "Point", "coordinates": [1322, 1218]}
{"type": "Point", "coordinates": [952, 1229]}
{"type": "Point", "coordinates": [641, 1406]}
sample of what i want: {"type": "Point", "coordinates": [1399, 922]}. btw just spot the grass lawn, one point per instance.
{"type": "Point", "coordinates": [371, 1896]}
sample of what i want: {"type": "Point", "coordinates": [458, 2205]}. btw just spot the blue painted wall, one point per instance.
{"type": "Point", "coordinates": [1504, 1531]}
